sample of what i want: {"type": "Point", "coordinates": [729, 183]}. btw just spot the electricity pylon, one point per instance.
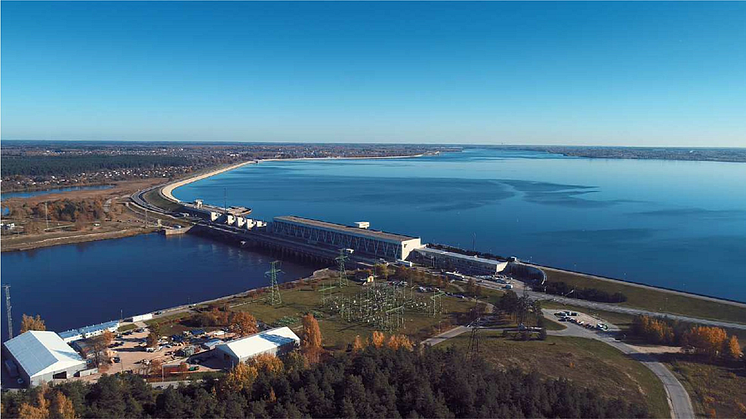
{"type": "Point", "coordinates": [341, 264]}
{"type": "Point", "coordinates": [274, 289]}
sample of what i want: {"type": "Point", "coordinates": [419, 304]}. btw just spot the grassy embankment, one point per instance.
{"type": "Point", "coordinates": [154, 197]}
{"type": "Point", "coordinates": [716, 390]}
{"type": "Point", "coordinates": [336, 332]}
{"type": "Point", "coordinates": [587, 362]}
{"type": "Point", "coordinates": [655, 300]}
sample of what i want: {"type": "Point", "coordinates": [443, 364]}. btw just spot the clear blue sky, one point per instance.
{"type": "Point", "coordinates": [605, 73]}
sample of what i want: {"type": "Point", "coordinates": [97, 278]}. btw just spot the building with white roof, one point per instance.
{"type": "Point", "coordinates": [277, 342]}
{"type": "Point", "coordinates": [42, 357]}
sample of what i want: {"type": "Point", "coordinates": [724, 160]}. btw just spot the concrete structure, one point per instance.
{"type": "Point", "coordinates": [470, 265]}
{"type": "Point", "coordinates": [277, 342]}
{"type": "Point", "coordinates": [42, 357]}
{"type": "Point", "coordinates": [365, 242]}
{"type": "Point", "coordinates": [141, 317]}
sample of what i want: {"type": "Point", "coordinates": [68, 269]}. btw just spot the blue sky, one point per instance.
{"type": "Point", "coordinates": [604, 73]}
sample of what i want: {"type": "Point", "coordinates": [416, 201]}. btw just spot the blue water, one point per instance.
{"type": "Point", "coordinates": [680, 225]}
{"type": "Point", "coordinates": [81, 284]}
{"type": "Point", "coordinates": [30, 194]}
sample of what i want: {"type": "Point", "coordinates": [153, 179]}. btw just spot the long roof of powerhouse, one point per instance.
{"type": "Point", "coordinates": [261, 342]}
{"type": "Point", "coordinates": [42, 352]}
{"type": "Point", "coordinates": [346, 229]}
{"type": "Point", "coordinates": [461, 256]}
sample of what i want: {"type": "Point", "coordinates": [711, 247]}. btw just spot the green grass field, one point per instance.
{"type": "Point", "coordinates": [587, 362]}
{"type": "Point", "coordinates": [653, 300]}
{"type": "Point", "coordinates": [336, 332]}
{"type": "Point", "coordinates": [716, 390]}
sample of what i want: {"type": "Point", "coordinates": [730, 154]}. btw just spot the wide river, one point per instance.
{"type": "Point", "coordinates": [680, 225]}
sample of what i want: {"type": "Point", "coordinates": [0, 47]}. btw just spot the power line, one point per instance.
{"type": "Point", "coordinates": [7, 307]}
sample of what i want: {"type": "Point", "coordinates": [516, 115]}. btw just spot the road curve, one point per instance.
{"type": "Point", "coordinates": [678, 398]}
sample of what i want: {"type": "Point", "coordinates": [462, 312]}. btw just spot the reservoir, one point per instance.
{"type": "Point", "coordinates": [674, 224]}
{"type": "Point", "coordinates": [81, 284]}
{"type": "Point", "coordinates": [680, 225]}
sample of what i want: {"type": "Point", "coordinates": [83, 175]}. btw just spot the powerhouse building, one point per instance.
{"type": "Point", "coordinates": [363, 241]}
{"type": "Point", "coordinates": [470, 265]}
{"type": "Point", "coordinates": [41, 357]}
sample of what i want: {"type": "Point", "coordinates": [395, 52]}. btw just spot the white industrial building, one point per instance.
{"type": "Point", "coordinates": [89, 331]}
{"type": "Point", "coordinates": [470, 265]}
{"type": "Point", "coordinates": [362, 240]}
{"type": "Point", "coordinates": [41, 357]}
{"type": "Point", "coordinates": [276, 342]}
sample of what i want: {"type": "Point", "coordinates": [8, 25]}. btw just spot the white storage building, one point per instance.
{"type": "Point", "coordinates": [277, 342]}
{"type": "Point", "coordinates": [42, 357]}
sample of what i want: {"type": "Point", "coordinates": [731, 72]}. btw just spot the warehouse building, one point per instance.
{"type": "Point", "coordinates": [363, 241]}
{"type": "Point", "coordinates": [470, 265]}
{"type": "Point", "coordinates": [276, 342]}
{"type": "Point", "coordinates": [41, 357]}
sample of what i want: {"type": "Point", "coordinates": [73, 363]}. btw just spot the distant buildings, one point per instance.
{"type": "Point", "coordinates": [89, 331]}
{"type": "Point", "coordinates": [41, 357]}
{"type": "Point", "coordinates": [470, 265]}
{"type": "Point", "coordinates": [277, 342]}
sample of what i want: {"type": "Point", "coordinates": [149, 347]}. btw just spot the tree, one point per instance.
{"type": "Point", "coordinates": [32, 323]}
{"type": "Point", "coordinates": [243, 324]}
{"type": "Point", "coordinates": [731, 349]}
{"type": "Point", "coordinates": [311, 341]}
{"type": "Point", "coordinates": [704, 340]}
{"type": "Point", "coordinates": [378, 339]}
{"type": "Point", "coordinates": [382, 270]}
{"type": "Point", "coordinates": [40, 410]}
{"type": "Point", "coordinates": [62, 407]}
{"type": "Point", "coordinates": [240, 378]}
{"type": "Point", "coordinates": [400, 342]}
{"type": "Point", "coordinates": [156, 367]}
{"type": "Point", "coordinates": [543, 334]}
{"type": "Point", "coordinates": [268, 363]}
{"type": "Point", "coordinates": [358, 345]}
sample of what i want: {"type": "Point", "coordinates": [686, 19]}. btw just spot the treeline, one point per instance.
{"type": "Point", "coordinates": [711, 342]}
{"type": "Point", "coordinates": [72, 165]}
{"type": "Point", "coordinates": [61, 210]}
{"type": "Point", "coordinates": [590, 294]}
{"type": "Point", "coordinates": [371, 383]}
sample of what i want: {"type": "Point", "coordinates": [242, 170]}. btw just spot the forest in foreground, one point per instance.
{"type": "Point", "coordinates": [370, 382]}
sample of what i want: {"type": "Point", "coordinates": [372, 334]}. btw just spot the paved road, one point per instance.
{"type": "Point", "coordinates": [446, 335]}
{"type": "Point", "coordinates": [678, 398]}
{"type": "Point", "coordinates": [534, 295]}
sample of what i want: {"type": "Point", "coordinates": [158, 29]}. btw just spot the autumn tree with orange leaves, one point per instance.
{"type": "Point", "coordinates": [731, 349]}
{"type": "Point", "coordinates": [378, 339]}
{"type": "Point", "coordinates": [243, 324]}
{"type": "Point", "coordinates": [311, 340]}
{"type": "Point", "coordinates": [32, 323]}
{"type": "Point", "coordinates": [400, 342]}
{"type": "Point", "coordinates": [704, 340]}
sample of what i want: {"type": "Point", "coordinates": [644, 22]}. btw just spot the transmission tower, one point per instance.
{"type": "Point", "coordinates": [474, 339]}
{"type": "Point", "coordinates": [437, 300]}
{"type": "Point", "coordinates": [341, 265]}
{"type": "Point", "coordinates": [7, 307]}
{"type": "Point", "coordinates": [274, 289]}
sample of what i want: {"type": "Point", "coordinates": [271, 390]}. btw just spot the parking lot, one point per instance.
{"type": "Point", "coordinates": [129, 350]}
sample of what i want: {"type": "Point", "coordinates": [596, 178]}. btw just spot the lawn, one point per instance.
{"type": "Point", "coordinates": [587, 362]}
{"type": "Point", "coordinates": [336, 331]}
{"type": "Point", "coordinates": [654, 300]}
{"type": "Point", "coordinates": [716, 390]}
